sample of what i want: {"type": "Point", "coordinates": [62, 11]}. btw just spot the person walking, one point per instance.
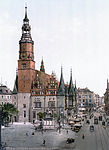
{"type": "Point", "coordinates": [44, 142]}
{"type": "Point", "coordinates": [26, 134]}
{"type": "Point", "coordinates": [83, 136]}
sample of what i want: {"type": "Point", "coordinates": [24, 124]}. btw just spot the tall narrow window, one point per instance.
{"type": "Point", "coordinates": [24, 105]}
{"type": "Point", "coordinates": [24, 113]}
{"type": "Point", "coordinates": [37, 104]}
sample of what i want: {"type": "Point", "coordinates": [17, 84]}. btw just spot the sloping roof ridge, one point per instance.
{"type": "Point", "coordinates": [42, 72]}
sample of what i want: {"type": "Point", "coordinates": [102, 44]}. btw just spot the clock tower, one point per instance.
{"type": "Point", "coordinates": [26, 63]}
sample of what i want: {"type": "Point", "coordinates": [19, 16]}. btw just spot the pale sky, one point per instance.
{"type": "Point", "coordinates": [71, 33]}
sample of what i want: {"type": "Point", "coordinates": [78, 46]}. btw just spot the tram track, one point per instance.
{"type": "Point", "coordinates": [96, 140]}
{"type": "Point", "coordinates": [104, 142]}
{"type": "Point", "coordinates": [106, 132]}
{"type": "Point", "coordinates": [106, 135]}
{"type": "Point", "coordinates": [102, 136]}
{"type": "Point", "coordinates": [99, 135]}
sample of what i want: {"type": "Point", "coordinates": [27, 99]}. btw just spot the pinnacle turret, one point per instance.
{"type": "Point", "coordinates": [75, 88]}
{"type": "Point", "coordinates": [71, 87]}
{"type": "Point", "coordinates": [42, 66]}
{"type": "Point", "coordinates": [61, 89]}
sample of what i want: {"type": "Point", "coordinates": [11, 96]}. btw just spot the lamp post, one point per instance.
{"type": "Point", "coordinates": [59, 120]}
{"type": "Point", "coordinates": [44, 105]}
{"type": "Point", "coordinates": [45, 91]}
{"type": "Point", "coordinates": [0, 126]}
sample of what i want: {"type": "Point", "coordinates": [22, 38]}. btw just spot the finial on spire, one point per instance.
{"type": "Point", "coordinates": [42, 60]}
{"type": "Point", "coordinates": [61, 69]}
{"type": "Point", "coordinates": [71, 73]}
{"type": "Point", "coordinates": [71, 82]}
{"type": "Point", "coordinates": [25, 11]}
{"type": "Point", "coordinates": [75, 83]}
{"type": "Point", "coordinates": [107, 84]}
{"type": "Point", "coordinates": [71, 70]}
{"type": "Point", "coordinates": [26, 18]}
{"type": "Point", "coordinates": [61, 72]}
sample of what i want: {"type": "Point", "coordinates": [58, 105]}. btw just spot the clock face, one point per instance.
{"type": "Point", "coordinates": [23, 55]}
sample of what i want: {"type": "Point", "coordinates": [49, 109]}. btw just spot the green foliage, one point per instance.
{"type": "Point", "coordinates": [41, 115]}
{"type": "Point", "coordinates": [63, 116]}
{"type": "Point", "coordinates": [8, 111]}
{"type": "Point", "coordinates": [54, 115]}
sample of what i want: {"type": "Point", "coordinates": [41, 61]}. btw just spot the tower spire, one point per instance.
{"type": "Point", "coordinates": [42, 66]}
{"type": "Point", "coordinates": [71, 88]}
{"type": "Point", "coordinates": [107, 84]}
{"type": "Point", "coordinates": [61, 89]}
{"type": "Point", "coordinates": [62, 79]}
{"type": "Point", "coordinates": [26, 30]}
{"type": "Point", "coordinates": [75, 83]}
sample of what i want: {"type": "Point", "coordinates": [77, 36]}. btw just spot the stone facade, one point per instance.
{"type": "Point", "coordinates": [106, 99]}
{"type": "Point", "coordinates": [43, 104]}
{"type": "Point", "coordinates": [24, 107]}
{"type": "Point", "coordinates": [85, 98]}
{"type": "Point", "coordinates": [36, 91]}
{"type": "Point", "coordinates": [5, 95]}
{"type": "Point", "coordinates": [98, 100]}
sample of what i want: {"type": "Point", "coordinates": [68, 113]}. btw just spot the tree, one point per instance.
{"type": "Point", "coordinates": [41, 115]}
{"type": "Point", "coordinates": [54, 115]}
{"type": "Point", "coordinates": [8, 111]}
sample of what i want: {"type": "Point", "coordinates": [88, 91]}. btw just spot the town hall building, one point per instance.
{"type": "Point", "coordinates": [36, 90]}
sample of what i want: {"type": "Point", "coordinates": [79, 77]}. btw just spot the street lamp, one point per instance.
{"type": "Point", "coordinates": [59, 120]}
{"type": "Point", "coordinates": [44, 105]}
{"type": "Point", "coordinates": [45, 91]}
{"type": "Point", "coordinates": [0, 126]}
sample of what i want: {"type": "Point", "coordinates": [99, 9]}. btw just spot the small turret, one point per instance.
{"type": "Point", "coordinates": [75, 88]}
{"type": "Point", "coordinates": [42, 66]}
{"type": "Point", "coordinates": [61, 89]}
{"type": "Point", "coordinates": [71, 87]}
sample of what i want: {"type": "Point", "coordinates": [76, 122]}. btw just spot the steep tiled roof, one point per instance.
{"type": "Point", "coordinates": [43, 78]}
{"type": "Point", "coordinates": [44, 82]}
